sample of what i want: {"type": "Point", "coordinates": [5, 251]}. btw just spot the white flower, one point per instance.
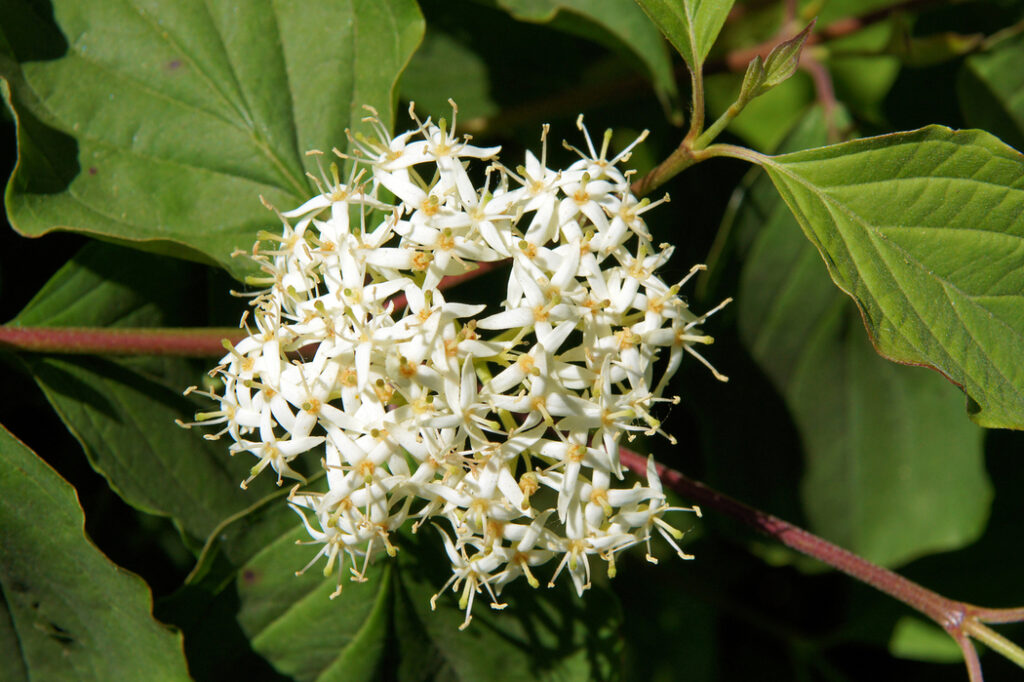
{"type": "Point", "coordinates": [430, 409]}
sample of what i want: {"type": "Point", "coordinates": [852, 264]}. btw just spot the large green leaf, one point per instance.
{"type": "Point", "coordinates": [893, 472]}
{"type": "Point", "coordinates": [124, 418]}
{"type": "Point", "coordinates": [620, 25]}
{"type": "Point", "coordinates": [290, 620]}
{"type": "Point", "coordinates": [125, 423]}
{"type": "Point", "coordinates": [991, 91]}
{"type": "Point", "coordinates": [925, 230]}
{"type": "Point", "coordinates": [67, 612]}
{"type": "Point", "coordinates": [690, 25]}
{"type": "Point", "coordinates": [208, 608]}
{"type": "Point", "coordinates": [242, 536]}
{"type": "Point", "coordinates": [164, 122]}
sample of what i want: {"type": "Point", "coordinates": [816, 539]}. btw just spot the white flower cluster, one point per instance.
{"type": "Point", "coordinates": [505, 423]}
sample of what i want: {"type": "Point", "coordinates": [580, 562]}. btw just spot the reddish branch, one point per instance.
{"type": "Point", "coordinates": [196, 343]}
{"type": "Point", "coordinates": [959, 619]}
{"type": "Point", "coordinates": [931, 604]}
{"type": "Point", "coordinates": [156, 341]}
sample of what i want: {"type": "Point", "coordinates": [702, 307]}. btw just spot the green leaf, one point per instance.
{"type": "Point", "coordinates": [109, 286]}
{"type": "Point", "coordinates": [619, 25]}
{"type": "Point", "coordinates": [105, 285]}
{"type": "Point", "coordinates": [924, 231]}
{"type": "Point", "coordinates": [294, 624]}
{"type": "Point", "coordinates": [68, 613]}
{"type": "Point", "coordinates": [690, 25]}
{"type": "Point", "coordinates": [990, 88]}
{"type": "Point", "coordinates": [163, 123]}
{"type": "Point", "coordinates": [250, 563]}
{"type": "Point", "coordinates": [893, 471]}
{"type": "Point", "coordinates": [862, 73]}
{"type": "Point", "coordinates": [125, 423]}
{"type": "Point", "coordinates": [206, 608]}
{"type": "Point", "coordinates": [291, 620]}
{"type": "Point", "coordinates": [124, 418]}
{"type": "Point", "coordinates": [837, 10]}
{"type": "Point", "coordinates": [938, 48]}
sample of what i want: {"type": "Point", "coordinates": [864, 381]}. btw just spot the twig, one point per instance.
{"type": "Point", "coordinates": [195, 343]}
{"type": "Point", "coordinates": [959, 619]}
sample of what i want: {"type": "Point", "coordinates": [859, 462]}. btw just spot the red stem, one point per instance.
{"type": "Point", "coordinates": [196, 343]}
{"type": "Point", "coordinates": [949, 614]}
{"type": "Point", "coordinates": [93, 341]}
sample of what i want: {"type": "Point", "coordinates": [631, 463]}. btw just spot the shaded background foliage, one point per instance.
{"type": "Point", "coordinates": [813, 426]}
